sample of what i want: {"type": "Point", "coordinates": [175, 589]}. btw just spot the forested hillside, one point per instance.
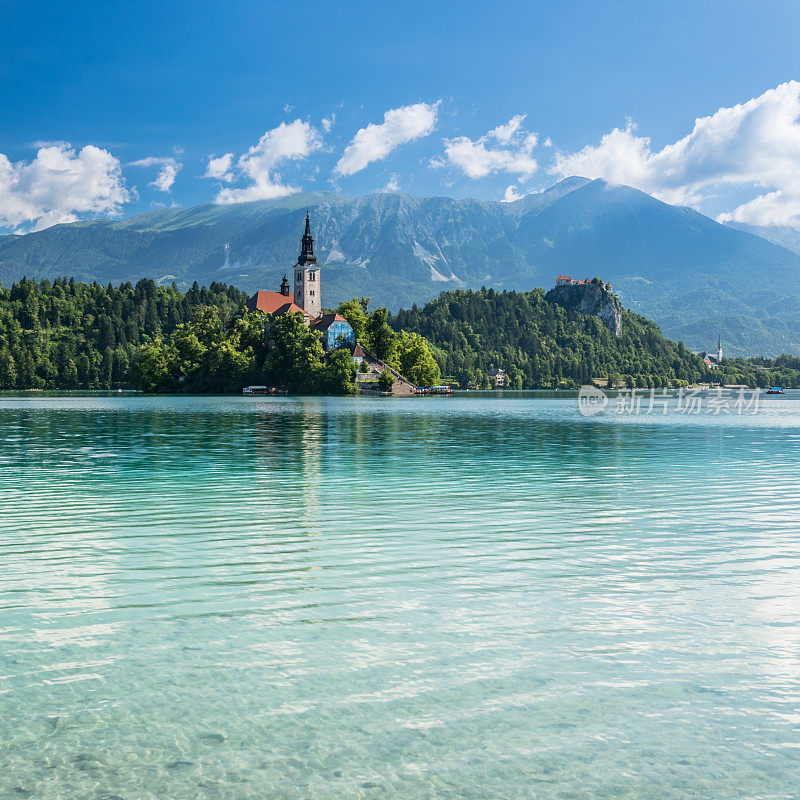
{"type": "Point", "coordinates": [69, 335]}
{"type": "Point", "coordinates": [542, 345]}
{"type": "Point", "coordinates": [280, 351]}
{"type": "Point", "coordinates": [690, 274]}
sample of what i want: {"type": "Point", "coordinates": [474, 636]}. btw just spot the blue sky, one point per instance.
{"type": "Point", "coordinates": [114, 108]}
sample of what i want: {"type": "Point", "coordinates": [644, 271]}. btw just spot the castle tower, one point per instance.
{"type": "Point", "coordinates": [307, 288]}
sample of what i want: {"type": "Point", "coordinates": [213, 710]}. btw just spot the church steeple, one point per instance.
{"type": "Point", "coordinates": [307, 279]}
{"type": "Point", "coordinates": [307, 246]}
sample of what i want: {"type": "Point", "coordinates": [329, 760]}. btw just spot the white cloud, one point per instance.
{"type": "Point", "coordinates": [59, 184]}
{"type": "Point", "coordinates": [479, 157]}
{"type": "Point", "coordinates": [288, 142]}
{"type": "Point", "coordinates": [328, 123]}
{"type": "Point", "coordinates": [781, 207]}
{"type": "Point", "coordinates": [505, 133]}
{"type": "Point", "coordinates": [169, 169]}
{"type": "Point", "coordinates": [756, 144]}
{"type": "Point", "coordinates": [393, 184]}
{"type": "Point", "coordinates": [219, 168]}
{"type": "Point", "coordinates": [166, 177]}
{"type": "Point", "coordinates": [512, 194]}
{"type": "Point", "coordinates": [377, 140]}
{"type": "Point", "coordinates": [39, 143]}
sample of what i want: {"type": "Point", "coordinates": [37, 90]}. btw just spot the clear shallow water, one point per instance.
{"type": "Point", "coordinates": [423, 598]}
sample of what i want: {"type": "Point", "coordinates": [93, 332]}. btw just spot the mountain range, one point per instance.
{"type": "Point", "coordinates": [697, 278]}
{"type": "Point", "coordinates": [784, 235]}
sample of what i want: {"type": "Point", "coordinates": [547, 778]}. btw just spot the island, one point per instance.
{"type": "Point", "coordinates": [156, 338]}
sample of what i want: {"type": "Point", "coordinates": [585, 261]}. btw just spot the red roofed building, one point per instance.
{"type": "Point", "coordinates": [358, 354]}
{"type": "Point", "coordinates": [274, 303]}
{"type": "Point", "coordinates": [332, 327]}
{"type": "Point", "coordinates": [307, 296]}
{"type": "Point", "coordinates": [566, 280]}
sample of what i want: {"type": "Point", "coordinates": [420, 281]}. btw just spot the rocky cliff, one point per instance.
{"type": "Point", "coordinates": [590, 298]}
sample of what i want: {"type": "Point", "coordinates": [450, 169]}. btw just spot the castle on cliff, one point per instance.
{"type": "Point", "coordinates": [565, 280]}
{"type": "Point", "coordinates": [591, 297]}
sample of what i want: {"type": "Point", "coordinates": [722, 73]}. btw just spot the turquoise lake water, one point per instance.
{"type": "Point", "coordinates": [472, 597]}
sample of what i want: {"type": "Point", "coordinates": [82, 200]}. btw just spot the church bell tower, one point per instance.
{"type": "Point", "coordinates": [307, 288]}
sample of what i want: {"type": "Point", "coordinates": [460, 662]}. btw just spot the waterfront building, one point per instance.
{"type": "Point", "coordinates": [496, 377]}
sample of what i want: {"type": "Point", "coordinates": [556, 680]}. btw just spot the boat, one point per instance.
{"type": "Point", "coordinates": [440, 390]}
{"type": "Point", "coordinates": [776, 390]}
{"type": "Point", "coordinates": [250, 390]}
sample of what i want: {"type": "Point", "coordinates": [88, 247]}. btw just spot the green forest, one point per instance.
{"type": "Point", "coordinates": [69, 335]}
{"type": "Point", "coordinates": [207, 355]}
{"type": "Point", "coordinates": [541, 345]}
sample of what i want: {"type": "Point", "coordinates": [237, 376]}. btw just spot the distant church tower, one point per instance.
{"type": "Point", "coordinates": [307, 288]}
{"type": "Point", "coordinates": [719, 349]}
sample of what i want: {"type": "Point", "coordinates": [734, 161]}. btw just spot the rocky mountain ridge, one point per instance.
{"type": "Point", "coordinates": [695, 277]}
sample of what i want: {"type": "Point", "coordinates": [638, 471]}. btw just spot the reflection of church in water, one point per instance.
{"type": "Point", "coordinates": [287, 472]}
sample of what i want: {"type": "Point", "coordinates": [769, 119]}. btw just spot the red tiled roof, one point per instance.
{"type": "Point", "coordinates": [358, 351]}
{"type": "Point", "coordinates": [563, 278]}
{"type": "Point", "coordinates": [273, 303]}
{"type": "Point", "coordinates": [326, 320]}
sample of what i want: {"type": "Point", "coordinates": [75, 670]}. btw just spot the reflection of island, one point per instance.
{"type": "Point", "coordinates": [312, 434]}
{"type": "Point", "coordinates": [288, 460]}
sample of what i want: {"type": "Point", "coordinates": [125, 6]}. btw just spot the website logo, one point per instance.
{"type": "Point", "coordinates": [591, 401]}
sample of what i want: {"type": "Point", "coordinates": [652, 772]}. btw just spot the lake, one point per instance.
{"type": "Point", "coordinates": [484, 596]}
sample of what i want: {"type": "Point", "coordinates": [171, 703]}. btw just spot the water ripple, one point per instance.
{"type": "Point", "coordinates": [323, 598]}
